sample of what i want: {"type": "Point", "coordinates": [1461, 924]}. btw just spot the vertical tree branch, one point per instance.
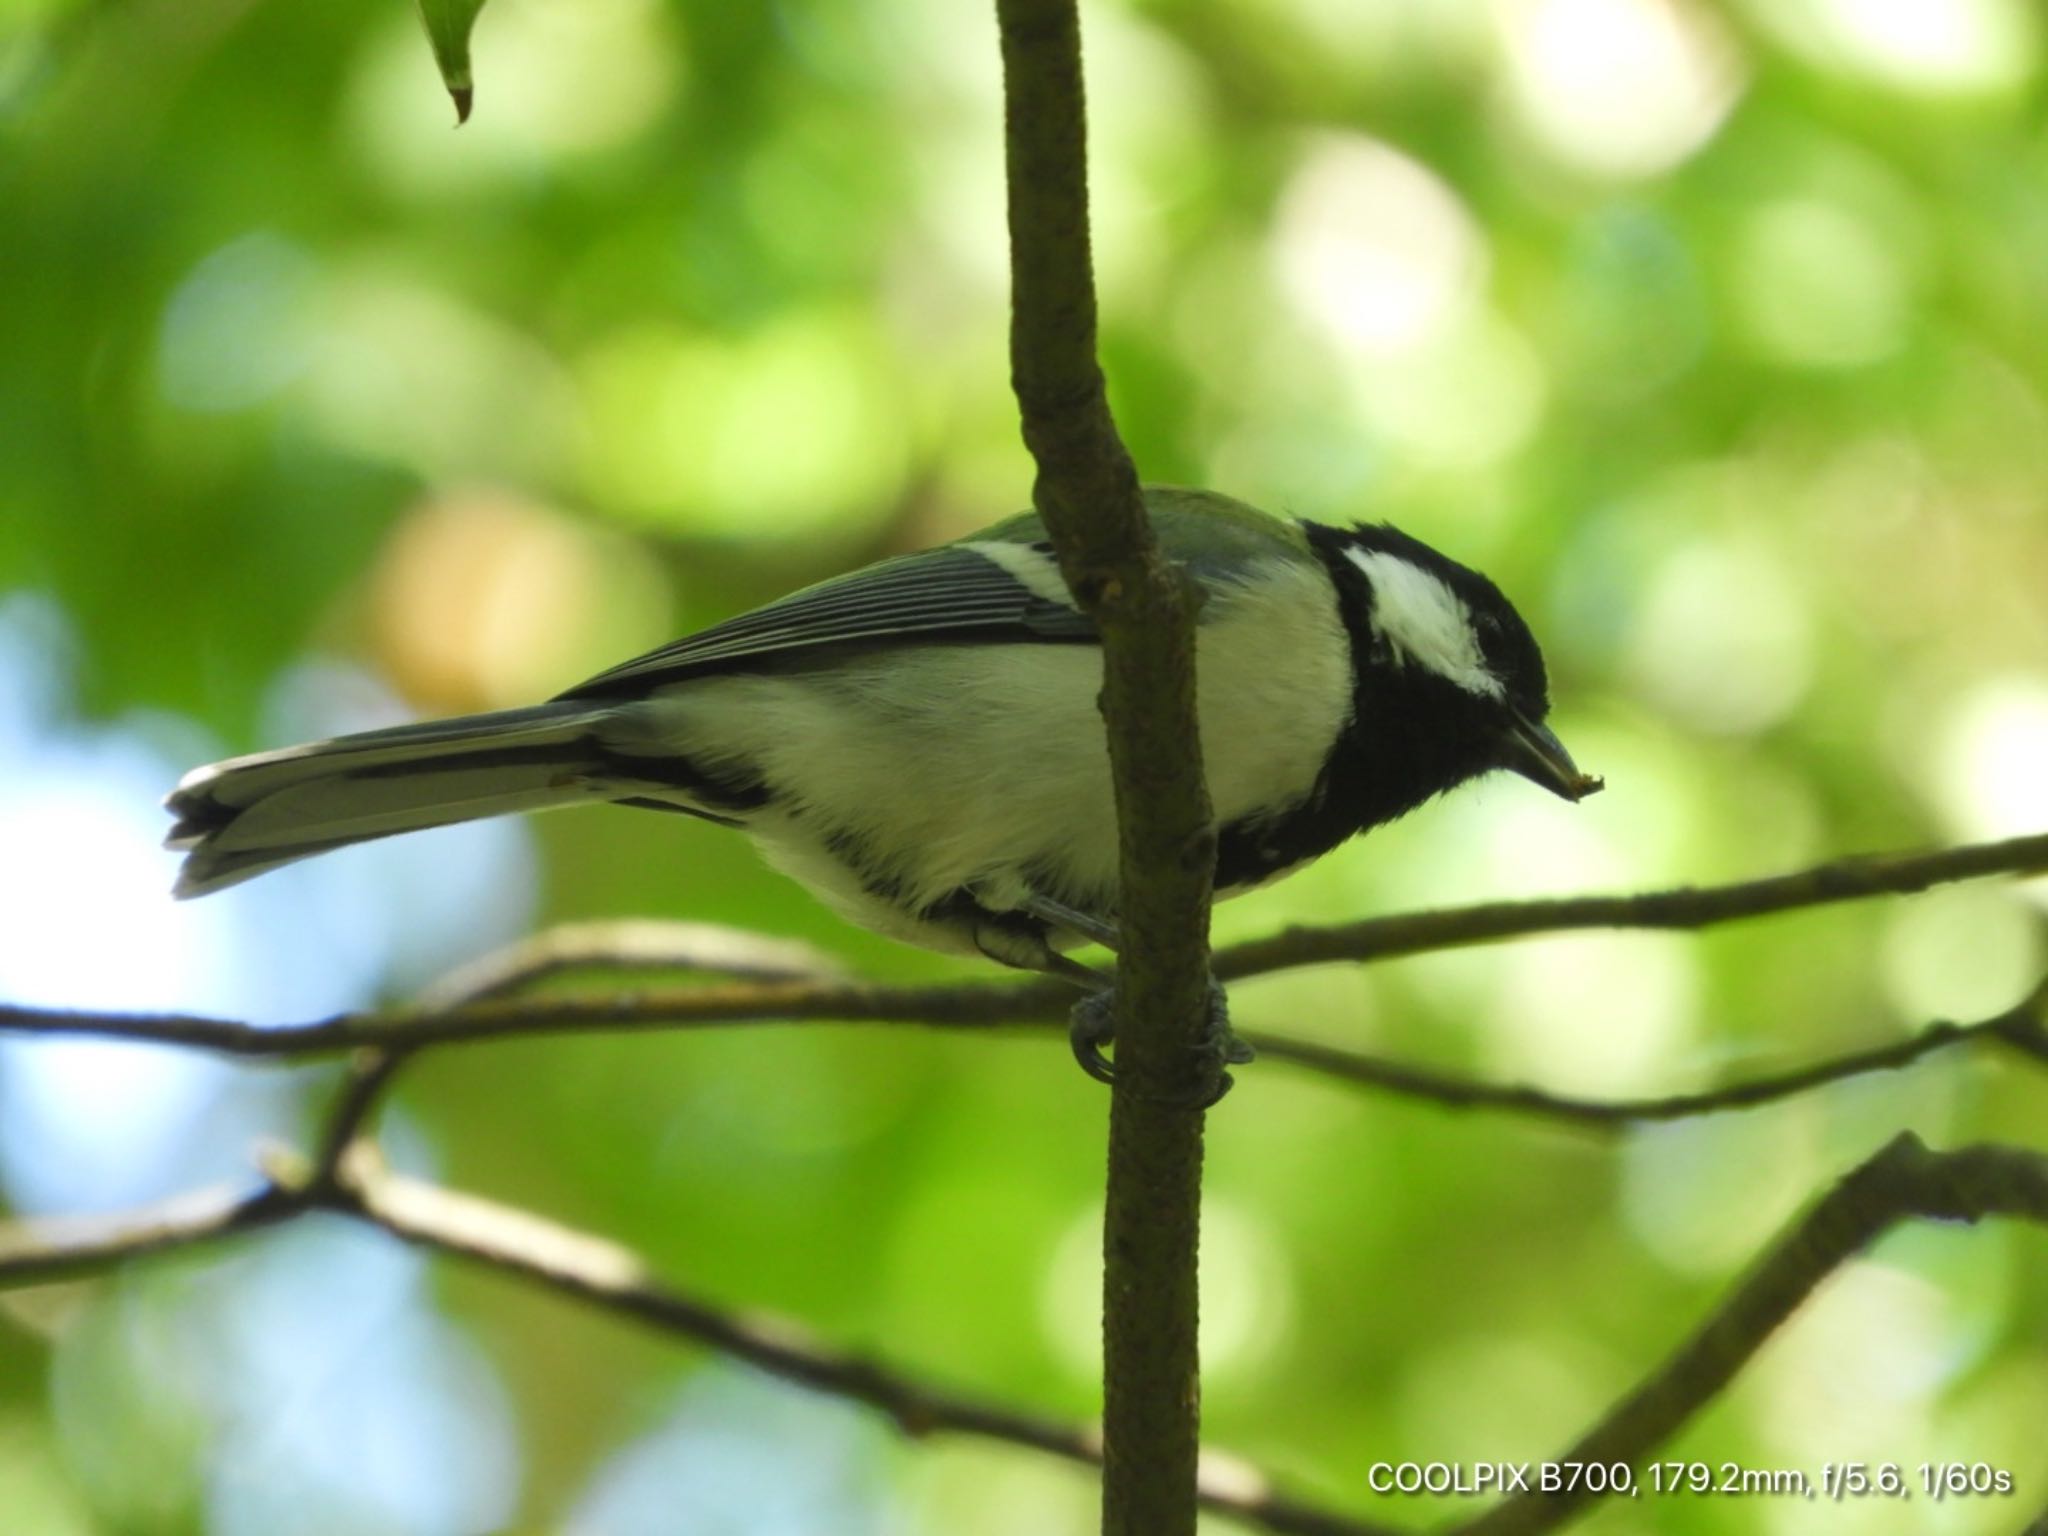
{"type": "Point", "coordinates": [1087, 492]}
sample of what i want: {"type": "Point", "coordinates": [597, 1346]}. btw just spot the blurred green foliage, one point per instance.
{"type": "Point", "coordinates": [1716, 332]}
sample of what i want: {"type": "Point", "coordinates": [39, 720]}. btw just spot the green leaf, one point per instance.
{"type": "Point", "coordinates": [448, 26]}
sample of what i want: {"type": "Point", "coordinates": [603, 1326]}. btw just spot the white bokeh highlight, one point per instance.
{"type": "Point", "coordinates": [1722, 639]}
{"type": "Point", "coordinates": [1616, 88]}
{"type": "Point", "coordinates": [1373, 250]}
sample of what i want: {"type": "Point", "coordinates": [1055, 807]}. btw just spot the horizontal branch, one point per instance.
{"type": "Point", "coordinates": [43, 1249]}
{"type": "Point", "coordinates": [1684, 908]}
{"type": "Point", "coordinates": [953, 1006]}
{"type": "Point", "coordinates": [2018, 1029]}
{"type": "Point", "coordinates": [615, 1279]}
{"type": "Point", "coordinates": [605, 1275]}
{"type": "Point", "coordinates": [972, 1005]}
{"type": "Point", "coordinates": [1902, 1182]}
{"type": "Point", "coordinates": [633, 945]}
{"type": "Point", "coordinates": [472, 1005]}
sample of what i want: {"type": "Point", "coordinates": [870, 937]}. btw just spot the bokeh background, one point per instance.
{"type": "Point", "coordinates": [1715, 330]}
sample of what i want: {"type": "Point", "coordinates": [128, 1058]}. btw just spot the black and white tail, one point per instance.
{"type": "Point", "coordinates": [242, 817]}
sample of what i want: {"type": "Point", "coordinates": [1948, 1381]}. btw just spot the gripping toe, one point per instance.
{"type": "Point", "coordinates": [1092, 1025]}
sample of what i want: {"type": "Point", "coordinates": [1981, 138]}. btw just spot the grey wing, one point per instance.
{"type": "Point", "coordinates": [953, 594]}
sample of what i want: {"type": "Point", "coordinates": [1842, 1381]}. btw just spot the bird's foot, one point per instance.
{"type": "Point", "coordinates": [1093, 1026]}
{"type": "Point", "coordinates": [1083, 925]}
{"type": "Point", "coordinates": [1090, 1027]}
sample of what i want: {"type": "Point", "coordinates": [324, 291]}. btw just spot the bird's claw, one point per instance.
{"type": "Point", "coordinates": [1093, 1026]}
{"type": "Point", "coordinates": [1090, 1027]}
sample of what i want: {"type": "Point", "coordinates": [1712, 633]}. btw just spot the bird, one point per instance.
{"type": "Point", "coordinates": [919, 743]}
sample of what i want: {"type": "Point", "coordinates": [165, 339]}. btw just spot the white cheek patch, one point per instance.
{"type": "Point", "coordinates": [1424, 622]}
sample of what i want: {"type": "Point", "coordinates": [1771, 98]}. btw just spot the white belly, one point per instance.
{"type": "Point", "coordinates": [898, 780]}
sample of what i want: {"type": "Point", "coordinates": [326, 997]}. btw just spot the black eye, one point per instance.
{"type": "Point", "coordinates": [1486, 629]}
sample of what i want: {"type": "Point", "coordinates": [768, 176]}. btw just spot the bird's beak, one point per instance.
{"type": "Point", "coordinates": [1538, 756]}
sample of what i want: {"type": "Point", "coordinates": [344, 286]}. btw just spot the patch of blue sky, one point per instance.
{"type": "Point", "coordinates": [88, 922]}
{"type": "Point", "coordinates": [745, 1456]}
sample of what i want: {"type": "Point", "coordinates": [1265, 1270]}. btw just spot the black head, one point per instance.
{"type": "Point", "coordinates": [1449, 682]}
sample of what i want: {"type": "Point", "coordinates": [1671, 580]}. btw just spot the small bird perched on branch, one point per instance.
{"type": "Point", "coordinates": [918, 741]}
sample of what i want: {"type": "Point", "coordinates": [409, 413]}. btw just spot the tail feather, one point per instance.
{"type": "Point", "coordinates": [240, 818]}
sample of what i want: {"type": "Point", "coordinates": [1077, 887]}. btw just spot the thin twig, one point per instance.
{"type": "Point", "coordinates": [948, 1006]}
{"type": "Point", "coordinates": [370, 1074]}
{"type": "Point", "coordinates": [43, 1249]}
{"type": "Point", "coordinates": [1687, 908]}
{"type": "Point", "coordinates": [627, 945]}
{"type": "Point", "coordinates": [2018, 1029]}
{"type": "Point", "coordinates": [984, 1004]}
{"type": "Point", "coordinates": [615, 1279]}
{"type": "Point", "coordinates": [631, 944]}
{"type": "Point", "coordinates": [611, 1278]}
{"type": "Point", "coordinates": [1903, 1181]}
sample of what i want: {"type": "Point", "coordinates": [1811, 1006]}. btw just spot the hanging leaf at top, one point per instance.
{"type": "Point", "coordinates": [448, 26]}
